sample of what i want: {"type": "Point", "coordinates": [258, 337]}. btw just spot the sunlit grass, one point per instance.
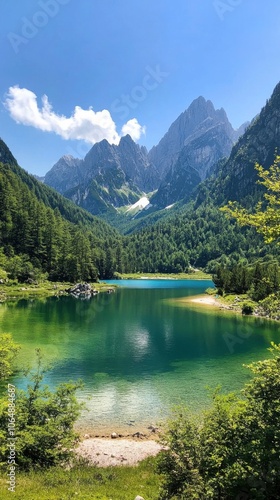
{"type": "Point", "coordinates": [86, 483]}
{"type": "Point", "coordinates": [198, 275]}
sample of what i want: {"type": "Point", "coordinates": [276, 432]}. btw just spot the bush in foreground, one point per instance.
{"type": "Point", "coordinates": [235, 452]}
{"type": "Point", "coordinates": [44, 423]}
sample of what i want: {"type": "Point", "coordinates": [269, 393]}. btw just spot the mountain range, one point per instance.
{"type": "Point", "coordinates": [114, 176]}
{"type": "Point", "coordinates": [41, 229]}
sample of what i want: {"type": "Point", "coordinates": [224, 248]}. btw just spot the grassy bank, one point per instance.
{"type": "Point", "coordinates": [85, 483]}
{"type": "Point", "coordinates": [198, 275]}
{"type": "Point", "coordinates": [44, 289]}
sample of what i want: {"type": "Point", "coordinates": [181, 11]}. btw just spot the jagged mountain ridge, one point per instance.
{"type": "Point", "coordinates": [65, 174]}
{"type": "Point", "coordinates": [50, 197]}
{"type": "Point", "coordinates": [209, 138]}
{"type": "Point", "coordinates": [190, 125]}
{"type": "Point", "coordinates": [112, 176]}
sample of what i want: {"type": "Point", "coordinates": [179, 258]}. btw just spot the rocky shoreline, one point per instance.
{"type": "Point", "coordinates": [85, 290]}
{"type": "Point", "coordinates": [116, 451]}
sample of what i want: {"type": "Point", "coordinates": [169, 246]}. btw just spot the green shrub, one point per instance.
{"type": "Point", "coordinates": [8, 351]}
{"type": "Point", "coordinates": [44, 423]}
{"type": "Point", "coordinates": [235, 452]}
{"type": "Point", "coordinates": [247, 309]}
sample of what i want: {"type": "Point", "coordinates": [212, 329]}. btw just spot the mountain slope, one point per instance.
{"type": "Point", "coordinates": [50, 197]}
{"type": "Point", "coordinates": [65, 174]}
{"type": "Point", "coordinates": [109, 177]}
{"type": "Point", "coordinates": [42, 232]}
{"type": "Point", "coordinates": [199, 231]}
{"type": "Point", "coordinates": [237, 180]}
{"type": "Point", "coordinates": [194, 143]}
{"type": "Point", "coordinates": [198, 119]}
{"type": "Point", "coordinates": [114, 176]}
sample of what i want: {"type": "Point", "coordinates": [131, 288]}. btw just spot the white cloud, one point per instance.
{"type": "Point", "coordinates": [83, 124]}
{"type": "Point", "coordinates": [134, 129]}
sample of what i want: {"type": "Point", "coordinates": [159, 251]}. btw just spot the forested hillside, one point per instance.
{"type": "Point", "coordinates": [201, 237]}
{"type": "Point", "coordinates": [43, 234]}
{"type": "Point", "coordinates": [237, 179]}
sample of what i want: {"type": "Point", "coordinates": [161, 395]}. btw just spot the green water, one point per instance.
{"type": "Point", "coordinates": [137, 351]}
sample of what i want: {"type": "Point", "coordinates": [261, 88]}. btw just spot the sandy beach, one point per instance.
{"type": "Point", "coordinates": [207, 300]}
{"type": "Point", "coordinates": [203, 300]}
{"type": "Point", "coordinates": [114, 452]}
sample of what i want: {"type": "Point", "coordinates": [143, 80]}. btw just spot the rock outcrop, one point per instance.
{"type": "Point", "coordinates": [82, 290]}
{"type": "Point", "coordinates": [192, 124]}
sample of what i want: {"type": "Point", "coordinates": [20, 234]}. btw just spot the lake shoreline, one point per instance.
{"type": "Point", "coordinates": [55, 289]}
{"type": "Point", "coordinates": [197, 275]}
{"type": "Point", "coordinates": [43, 290]}
{"type": "Point", "coordinates": [140, 430]}
{"type": "Point", "coordinates": [112, 452]}
{"type": "Point", "coordinates": [235, 306]}
{"type": "Point", "coordinates": [112, 446]}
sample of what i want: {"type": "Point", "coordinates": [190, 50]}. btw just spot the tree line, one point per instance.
{"type": "Point", "coordinates": [43, 235]}
{"type": "Point", "coordinates": [37, 241]}
{"type": "Point", "coordinates": [259, 280]}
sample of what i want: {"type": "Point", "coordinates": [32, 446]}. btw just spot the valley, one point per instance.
{"type": "Point", "coordinates": [152, 232]}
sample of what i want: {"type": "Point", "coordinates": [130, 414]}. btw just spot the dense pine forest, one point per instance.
{"type": "Point", "coordinates": [43, 235]}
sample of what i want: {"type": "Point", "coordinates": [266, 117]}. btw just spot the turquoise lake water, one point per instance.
{"type": "Point", "coordinates": [137, 350]}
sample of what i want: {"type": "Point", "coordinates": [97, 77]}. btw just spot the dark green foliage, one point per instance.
{"type": "Point", "coordinates": [8, 351]}
{"type": "Point", "coordinates": [6, 155]}
{"type": "Point", "coordinates": [247, 309]}
{"type": "Point", "coordinates": [235, 452]}
{"type": "Point", "coordinates": [202, 237]}
{"type": "Point", "coordinates": [259, 280]}
{"type": "Point", "coordinates": [44, 423]}
{"type": "Point", "coordinates": [38, 241]}
{"type": "Point", "coordinates": [270, 306]}
{"type": "Point", "coordinates": [44, 235]}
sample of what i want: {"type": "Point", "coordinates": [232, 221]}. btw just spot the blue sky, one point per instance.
{"type": "Point", "coordinates": [111, 67]}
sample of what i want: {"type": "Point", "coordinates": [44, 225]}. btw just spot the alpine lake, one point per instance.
{"type": "Point", "coordinates": [139, 351]}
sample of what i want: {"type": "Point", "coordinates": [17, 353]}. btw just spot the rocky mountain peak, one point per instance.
{"type": "Point", "coordinates": [115, 175]}
{"type": "Point", "coordinates": [64, 174]}
{"type": "Point", "coordinates": [200, 117]}
{"type": "Point", "coordinates": [200, 108]}
{"type": "Point", "coordinates": [258, 144]}
{"type": "Point", "coordinates": [127, 139]}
